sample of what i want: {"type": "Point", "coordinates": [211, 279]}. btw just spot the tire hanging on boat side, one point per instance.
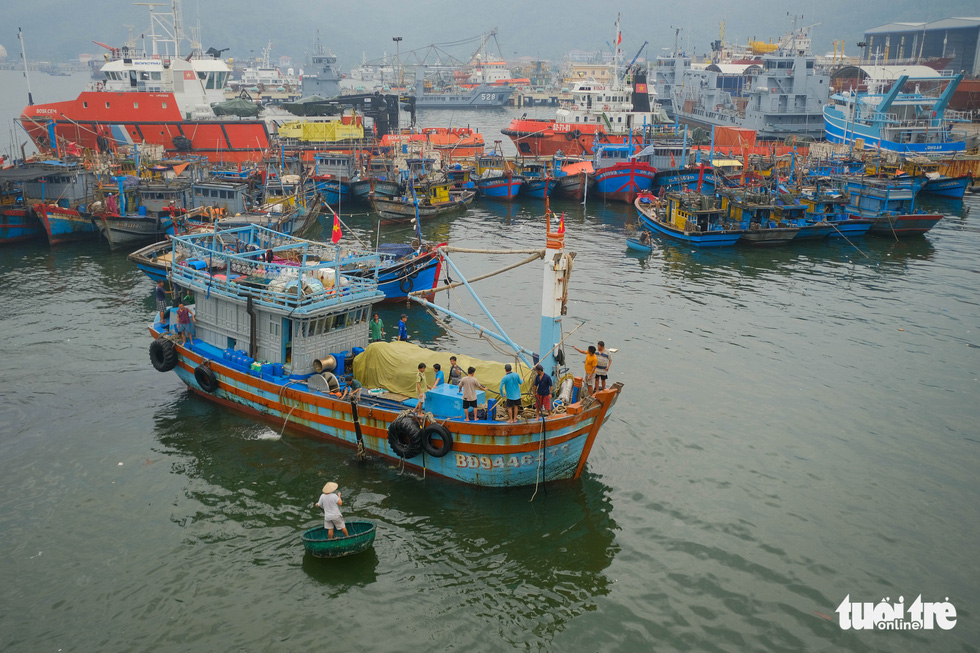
{"type": "Point", "coordinates": [440, 433]}
{"type": "Point", "coordinates": [406, 285]}
{"type": "Point", "coordinates": [163, 355]}
{"type": "Point", "coordinates": [405, 437]}
{"type": "Point", "coordinates": [206, 378]}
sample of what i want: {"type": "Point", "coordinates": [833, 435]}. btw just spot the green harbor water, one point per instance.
{"type": "Point", "coordinates": [798, 425]}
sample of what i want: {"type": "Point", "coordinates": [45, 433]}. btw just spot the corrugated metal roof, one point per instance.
{"type": "Point", "coordinates": [954, 23]}
{"type": "Point", "coordinates": [896, 27]}
{"type": "Point", "coordinates": [946, 23]}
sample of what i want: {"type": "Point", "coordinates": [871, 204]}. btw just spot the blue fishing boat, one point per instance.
{"type": "Point", "coordinates": [18, 223]}
{"type": "Point", "coordinates": [538, 179]}
{"type": "Point", "coordinates": [496, 177]}
{"type": "Point", "coordinates": [61, 199]}
{"type": "Point", "coordinates": [934, 181]}
{"type": "Point", "coordinates": [619, 176]}
{"type": "Point", "coordinates": [500, 186]}
{"type": "Point", "coordinates": [790, 210]}
{"type": "Point", "coordinates": [404, 269]}
{"type": "Point", "coordinates": [332, 175]}
{"type": "Point", "coordinates": [890, 208]}
{"type": "Point", "coordinates": [690, 218]}
{"type": "Point", "coordinates": [269, 337]}
{"type": "Point", "coordinates": [756, 215]}
{"type": "Point", "coordinates": [831, 208]}
{"type": "Point", "coordinates": [895, 116]}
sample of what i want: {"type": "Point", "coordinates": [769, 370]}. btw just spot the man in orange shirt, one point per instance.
{"type": "Point", "coordinates": [591, 360]}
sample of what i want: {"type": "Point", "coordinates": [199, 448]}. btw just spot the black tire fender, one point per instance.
{"type": "Point", "coordinates": [406, 285]}
{"type": "Point", "coordinates": [205, 378]}
{"type": "Point", "coordinates": [163, 355]}
{"type": "Point", "coordinates": [438, 432]}
{"type": "Point", "coordinates": [405, 437]}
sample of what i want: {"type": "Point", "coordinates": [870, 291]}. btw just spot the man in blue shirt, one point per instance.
{"type": "Point", "coordinates": [402, 328]}
{"type": "Point", "coordinates": [510, 389]}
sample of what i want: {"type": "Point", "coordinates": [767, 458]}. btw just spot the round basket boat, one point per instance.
{"type": "Point", "coordinates": [360, 539]}
{"type": "Point", "coordinates": [635, 245]}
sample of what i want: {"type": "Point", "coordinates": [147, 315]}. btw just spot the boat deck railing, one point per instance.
{"type": "Point", "coordinates": [307, 277]}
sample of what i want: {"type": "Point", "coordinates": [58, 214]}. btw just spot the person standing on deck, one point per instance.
{"type": "Point", "coordinates": [455, 372]}
{"type": "Point", "coordinates": [331, 502]}
{"type": "Point", "coordinates": [542, 392]}
{"type": "Point", "coordinates": [161, 296]}
{"type": "Point", "coordinates": [440, 377]}
{"type": "Point", "coordinates": [591, 360]}
{"type": "Point", "coordinates": [403, 328]}
{"type": "Point", "coordinates": [510, 389]}
{"type": "Point", "coordinates": [377, 328]}
{"type": "Point", "coordinates": [468, 385]}
{"type": "Point", "coordinates": [184, 319]}
{"type": "Point", "coordinates": [603, 365]}
{"type": "Point", "coordinates": [420, 383]}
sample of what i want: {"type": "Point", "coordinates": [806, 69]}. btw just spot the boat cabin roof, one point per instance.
{"type": "Point", "coordinates": [302, 282]}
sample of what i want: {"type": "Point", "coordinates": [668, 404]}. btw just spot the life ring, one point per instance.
{"type": "Point", "coordinates": [163, 355]}
{"type": "Point", "coordinates": [440, 433]}
{"type": "Point", "coordinates": [99, 86]}
{"type": "Point", "coordinates": [405, 437]}
{"type": "Point", "coordinates": [205, 378]}
{"type": "Point", "coordinates": [407, 285]}
{"type": "Point", "coordinates": [605, 107]}
{"type": "Point", "coordinates": [574, 107]}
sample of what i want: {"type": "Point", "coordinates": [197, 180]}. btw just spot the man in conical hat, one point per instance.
{"type": "Point", "coordinates": [330, 502]}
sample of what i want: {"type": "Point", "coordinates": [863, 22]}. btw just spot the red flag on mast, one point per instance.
{"type": "Point", "coordinates": [335, 234]}
{"type": "Point", "coordinates": [561, 223]}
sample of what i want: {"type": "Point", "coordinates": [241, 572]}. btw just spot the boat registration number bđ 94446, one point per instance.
{"type": "Point", "coordinates": [466, 461]}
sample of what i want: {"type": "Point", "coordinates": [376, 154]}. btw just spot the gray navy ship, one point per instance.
{"type": "Point", "coordinates": [779, 96]}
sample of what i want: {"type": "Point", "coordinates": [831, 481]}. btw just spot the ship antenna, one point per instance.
{"type": "Point", "coordinates": [23, 55]}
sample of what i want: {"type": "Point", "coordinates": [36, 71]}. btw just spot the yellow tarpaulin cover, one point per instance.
{"type": "Point", "coordinates": [320, 132]}
{"type": "Point", "coordinates": [394, 365]}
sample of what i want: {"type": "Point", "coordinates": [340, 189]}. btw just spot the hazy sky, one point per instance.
{"type": "Point", "coordinates": [60, 29]}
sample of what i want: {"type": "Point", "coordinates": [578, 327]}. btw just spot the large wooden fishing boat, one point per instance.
{"type": "Point", "coordinates": [268, 334]}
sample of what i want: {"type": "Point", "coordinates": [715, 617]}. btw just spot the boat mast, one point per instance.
{"type": "Point", "coordinates": [554, 294]}
{"type": "Point", "coordinates": [173, 32]}
{"type": "Point", "coordinates": [616, 49]}
{"type": "Point", "coordinates": [23, 55]}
